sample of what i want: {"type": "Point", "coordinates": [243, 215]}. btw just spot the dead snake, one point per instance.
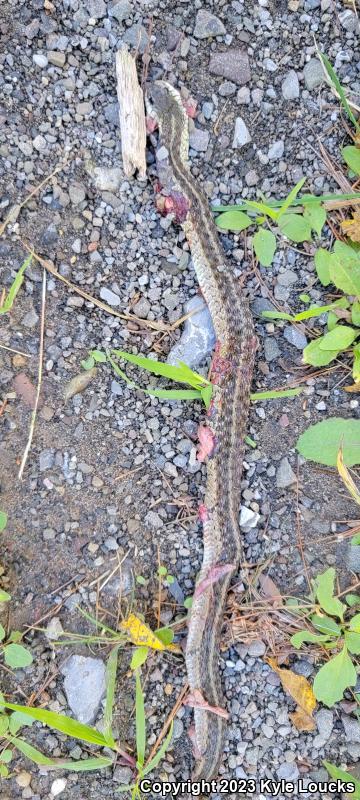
{"type": "Point", "coordinates": [223, 435]}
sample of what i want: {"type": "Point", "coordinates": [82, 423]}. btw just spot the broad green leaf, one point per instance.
{"type": "Point", "coordinates": [19, 720]}
{"type": "Point", "coordinates": [139, 657]}
{"type": "Point", "coordinates": [15, 286]}
{"type": "Point", "coordinates": [355, 539]}
{"type": "Point", "coordinates": [352, 599]}
{"type": "Point", "coordinates": [321, 442]}
{"type": "Point", "coordinates": [326, 625]}
{"type": "Point", "coordinates": [334, 677]}
{"type": "Point", "coordinates": [188, 602]}
{"type": "Point", "coordinates": [352, 641]}
{"type": "Point", "coordinates": [345, 268]}
{"type": "Point", "coordinates": [141, 580]}
{"type": "Point", "coordinates": [332, 320]}
{"type": "Point", "coordinates": [354, 623]}
{"type": "Point", "coordinates": [3, 520]}
{"type": "Point", "coordinates": [305, 298]}
{"type": "Point", "coordinates": [351, 156]}
{"type": "Point", "coordinates": [306, 636]}
{"type": "Point", "coordinates": [316, 311]}
{"type": "Point", "coordinates": [4, 724]}
{"type": "Point", "coordinates": [289, 200]}
{"type": "Point", "coordinates": [341, 775]}
{"type": "Point", "coordinates": [338, 339]}
{"type": "Point", "coordinates": [98, 356]}
{"type": "Point", "coordinates": [295, 227]}
{"type": "Point", "coordinates": [140, 721]}
{"type": "Point", "coordinates": [4, 596]}
{"type": "Point", "coordinates": [322, 265]}
{"type": "Point", "coordinates": [2, 633]}
{"type": "Point", "coordinates": [264, 243]}
{"type": "Point", "coordinates": [206, 395]}
{"type": "Point", "coordinates": [110, 680]}
{"type": "Point", "coordinates": [4, 772]}
{"type": "Point", "coordinates": [315, 215]}
{"type": "Point", "coordinates": [61, 723]}
{"type": "Point", "coordinates": [338, 87]}
{"type": "Point", "coordinates": [17, 656]}
{"type": "Point", "coordinates": [166, 635]}
{"type": "Point", "coordinates": [324, 590]}
{"type": "Point", "coordinates": [88, 363]}
{"type": "Point", "coordinates": [274, 394]}
{"type": "Point", "coordinates": [277, 315]}
{"type": "Point", "coordinates": [160, 753]}
{"type": "Point", "coordinates": [356, 364]}
{"type": "Point", "coordinates": [355, 313]}
{"type": "Point", "coordinates": [162, 571]}
{"type": "Point", "coordinates": [6, 756]}
{"type": "Point", "coordinates": [233, 221]}
{"type": "Point", "coordinates": [313, 354]}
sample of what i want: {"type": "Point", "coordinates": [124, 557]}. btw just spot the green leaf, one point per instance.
{"type": "Point", "coordinates": [206, 395]}
{"type": "Point", "coordinates": [170, 579]}
{"type": "Point", "coordinates": [356, 364]}
{"type": "Point", "coordinates": [341, 775]}
{"type": "Point", "coordinates": [31, 752]}
{"type": "Point", "coordinates": [321, 442]}
{"type": "Point", "coordinates": [354, 623]}
{"type": "Point", "coordinates": [355, 313]}
{"type": "Point", "coordinates": [295, 227]}
{"type": "Point", "coordinates": [340, 338]}
{"type": "Point", "coordinates": [166, 635]}
{"type": "Point", "coordinates": [3, 520]}
{"type": "Point", "coordinates": [2, 633]}
{"type": "Point", "coordinates": [3, 771]}
{"type": "Point", "coordinates": [17, 656]}
{"type": "Point", "coordinates": [160, 753]}
{"type": "Point", "coordinates": [345, 268]}
{"type": "Point", "coordinates": [315, 215]}
{"type": "Point", "coordinates": [86, 764]}
{"type": "Point", "coordinates": [6, 756]}
{"type": "Point", "coordinates": [274, 394]}
{"type": "Point", "coordinates": [316, 311]}
{"type": "Point", "coordinates": [180, 374]}
{"type": "Point", "coordinates": [140, 721]}
{"type": "Point", "coordinates": [15, 286]}
{"type": "Point", "coordinates": [162, 571]}
{"type": "Point", "coordinates": [352, 641]}
{"type": "Point", "coordinates": [139, 657]}
{"type": "Point", "coordinates": [332, 320]}
{"type": "Point", "coordinates": [61, 723]}
{"type": "Point", "coordinates": [19, 720]}
{"type": "Point", "coordinates": [326, 625]}
{"type": "Point", "coordinates": [334, 677]}
{"type": "Point", "coordinates": [352, 599]}
{"type": "Point", "coordinates": [88, 363]}
{"type": "Point", "coordinates": [289, 200]}
{"type": "Point", "coordinates": [4, 724]}
{"type": "Point", "coordinates": [324, 591]}
{"type": "Point", "coordinates": [306, 636]}
{"type": "Point", "coordinates": [351, 156]}
{"type": "Point", "coordinates": [339, 89]}
{"type": "Point", "coordinates": [233, 221]}
{"type": "Point", "coordinates": [188, 602]}
{"type": "Point", "coordinates": [264, 243]}
{"type": "Point", "coordinates": [98, 356]}
{"type": "Point", "coordinates": [4, 596]}
{"type": "Point", "coordinates": [110, 680]}
{"type": "Point", "coordinates": [277, 315]}
{"type": "Point", "coordinates": [141, 580]}
{"type": "Point", "coordinates": [322, 265]}
{"type": "Point", "coordinates": [313, 354]}
{"type": "Point", "coordinates": [262, 207]}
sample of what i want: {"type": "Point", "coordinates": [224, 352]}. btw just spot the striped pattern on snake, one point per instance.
{"type": "Point", "coordinates": [224, 434]}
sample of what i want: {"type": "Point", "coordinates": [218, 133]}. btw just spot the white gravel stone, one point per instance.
{"type": "Point", "coordinates": [276, 150]}
{"type": "Point", "coordinates": [241, 134]}
{"type": "Point", "coordinates": [290, 86]}
{"type": "Point", "coordinates": [40, 60]}
{"type": "Point", "coordinates": [58, 786]}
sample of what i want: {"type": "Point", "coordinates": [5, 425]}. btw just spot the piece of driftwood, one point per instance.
{"type": "Point", "coordinates": [131, 114]}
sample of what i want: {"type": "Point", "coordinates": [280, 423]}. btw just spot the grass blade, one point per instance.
{"type": "Point", "coordinates": [289, 200]}
{"type": "Point", "coordinates": [300, 201]}
{"type": "Point", "coordinates": [140, 721]}
{"type": "Point", "coordinates": [15, 286]}
{"type": "Point", "coordinates": [274, 394]}
{"type": "Point", "coordinates": [178, 374]}
{"type": "Point", "coordinates": [31, 752]}
{"type": "Point", "coordinates": [160, 753]}
{"type": "Point", "coordinates": [339, 89]}
{"type": "Point", "coordinates": [62, 723]}
{"type": "Point", "coordinates": [75, 766]}
{"type": "Point", "coordinates": [110, 680]}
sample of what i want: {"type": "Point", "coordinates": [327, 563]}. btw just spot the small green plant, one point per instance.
{"type": "Point", "coordinates": [15, 655]}
{"type": "Point", "coordinates": [321, 442]}
{"type": "Point", "coordinates": [335, 626]}
{"type": "Point", "coordinates": [341, 775]}
{"type": "Point", "coordinates": [8, 300]}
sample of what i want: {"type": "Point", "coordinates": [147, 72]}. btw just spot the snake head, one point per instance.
{"type": "Point", "coordinates": [163, 100]}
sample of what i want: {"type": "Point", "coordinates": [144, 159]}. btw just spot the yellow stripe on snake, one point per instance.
{"type": "Point", "coordinates": [223, 436]}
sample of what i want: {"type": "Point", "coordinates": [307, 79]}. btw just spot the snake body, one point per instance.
{"type": "Point", "coordinates": [226, 424]}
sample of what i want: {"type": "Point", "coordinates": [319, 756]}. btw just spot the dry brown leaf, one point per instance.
{"type": "Point", "coordinates": [300, 690]}
{"type": "Point", "coordinates": [354, 387]}
{"type": "Point", "coordinates": [346, 477]}
{"type": "Point", "coordinates": [269, 589]}
{"type": "Point", "coordinates": [351, 227]}
{"type": "Point", "coordinates": [79, 383]}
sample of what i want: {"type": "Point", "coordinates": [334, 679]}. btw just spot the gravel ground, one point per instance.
{"type": "Point", "coordinates": [109, 471]}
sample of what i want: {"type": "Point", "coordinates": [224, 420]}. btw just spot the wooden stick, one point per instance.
{"type": "Point", "coordinates": [131, 115]}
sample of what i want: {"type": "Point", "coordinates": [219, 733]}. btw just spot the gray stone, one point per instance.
{"type": "Point", "coordinates": [77, 193]}
{"type": "Point", "coordinates": [84, 686]}
{"type": "Point", "coordinates": [293, 335]}
{"type": "Point", "coordinates": [349, 21]}
{"type": "Point", "coordinates": [276, 150]}
{"type": "Point", "coordinates": [232, 64]}
{"type": "Point", "coordinates": [198, 336]}
{"type": "Point", "coordinates": [142, 308]}
{"type": "Point", "coordinates": [206, 25]}
{"type": "Point", "coordinates": [313, 74]}
{"type": "Point", "coordinates": [199, 140]}
{"type": "Point", "coordinates": [54, 629]}
{"type": "Point", "coordinates": [121, 10]}
{"type": "Point", "coordinates": [107, 179]}
{"type": "Point", "coordinates": [30, 319]}
{"type": "Point", "coordinates": [284, 475]}
{"type": "Point", "coordinates": [116, 388]}
{"type": "Point", "coordinates": [123, 775]}
{"type": "Point", "coordinates": [257, 648]}
{"type": "Point", "coordinates": [40, 60]}
{"type": "Point", "coordinates": [251, 178]}
{"type": "Point", "coordinates": [325, 724]}
{"type": "Point", "coordinates": [248, 518]}
{"type": "Point", "coordinates": [271, 348]}
{"type": "Point", "coordinates": [270, 65]}
{"type": "Point", "coordinates": [227, 89]}
{"type": "Point", "coordinates": [40, 143]}
{"type": "Point", "coordinates": [96, 8]}
{"type": "Point", "coordinates": [138, 37]}
{"type": "Point", "coordinates": [109, 297]}
{"type": "Point", "coordinates": [111, 113]}
{"type": "Point", "coordinates": [56, 58]}
{"type": "Point", "coordinates": [46, 460]}
{"type": "Point", "coordinates": [288, 772]}
{"type": "Point", "coordinates": [312, 5]}
{"type": "Point", "coordinates": [351, 728]}
{"type": "Point", "coordinates": [208, 109]}
{"type": "Point", "coordinates": [261, 304]}
{"type": "Point", "coordinates": [290, 86]}
{"type": "Point", "coordinates": [241, 134]}
{"type": "Point", "coordinates": [353, 558]}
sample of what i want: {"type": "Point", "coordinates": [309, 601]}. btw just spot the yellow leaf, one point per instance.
{"type": "Point", "coordinates": [141, 634]}
{"type": "Point", "coordinates": [300, 690]}
{"type": "Point", "coordinates": [351, 227]}
{"type": "Point", "coordinates": [346, 477]}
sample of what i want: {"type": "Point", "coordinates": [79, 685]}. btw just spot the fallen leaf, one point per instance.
{"type": "Point", "coordinates": [25, 389]}
{"type": "Point", "coordinates": [351, 227]}
{"type": "Point", "coordinates": [346, 477]}
{"type": "Point", "coordinates": [79, 383]}
{"type": "Point", "coordinates": [141, 634]}
{"type": "Point", "coordinates": [269, 589]}
{"type": "Point", "coordinates": [300, 690]}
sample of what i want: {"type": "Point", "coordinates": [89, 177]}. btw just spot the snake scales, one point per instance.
{"type": "Point", "coordinates": [225, 427]}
